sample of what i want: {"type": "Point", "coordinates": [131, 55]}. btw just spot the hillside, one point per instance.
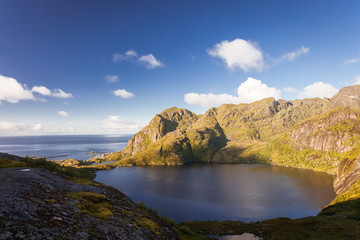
{"type": "Point", "coordinates": [230, 133]}
{"type": "Point", "coordinates": [38, 203]}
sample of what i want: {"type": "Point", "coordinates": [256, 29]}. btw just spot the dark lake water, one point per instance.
{"type": "Point", "coordinates": [63, 146]}
{"type": "Point", "coordinates": [224, 192]}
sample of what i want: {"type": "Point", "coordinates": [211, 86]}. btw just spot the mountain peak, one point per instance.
{"type": "Point", "coordinates": [348, 96]}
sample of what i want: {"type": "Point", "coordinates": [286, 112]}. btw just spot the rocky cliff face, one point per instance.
{"type": "Point", "coordinates": [331, 131]}
{"type": "Point", "coordinates": [348, 174]}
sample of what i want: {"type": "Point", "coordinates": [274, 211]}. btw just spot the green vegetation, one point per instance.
{"type": "Point", "coordinates": [352, 194]}
{"type": "Point", "coordinates": [94, 204]}
{"type": "Point", "coordinates": [183, 231]}
{"type": "Point", "coordinates": [9, 163]}
{"type": "Point", "coordinates": [147, 223]}
{"type": "Point", "coordinates": [79, 175]}
{"type": "Point", "coordinates": [283, 155]}
{"type": "Point", "coordinates": [319, 227]}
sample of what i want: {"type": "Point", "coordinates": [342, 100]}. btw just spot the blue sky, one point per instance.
{"type": "Point", "coordinates": [86, 67]}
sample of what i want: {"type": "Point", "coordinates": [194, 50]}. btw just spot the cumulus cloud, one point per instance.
{"type": "Point", "coordinates": [63, 113]}
{"type": "Point", "coordinates": [290, 56]}
{"type": "Point", "coordinates": [115, 122]}
{"type": "Point", "coordinates": [128, 55]}
{"type": "Point", "coordinates": [61, 94]}
{"type": "Point", "coordinates": [131, 53]}
{"type": "Point", "coordinates": [41, 90]}
{"type": "Point", "coordinates": [111, 78]}
{"type": "Point", "coordinates": [123, 93]}
{"type": "Point", "coordinates": [318, 89]}
{"type": "Point", "coordinates": [253, 90]}
{"type": "Point", "coordinates": [13, 91]}
{"type": "Point", "coordinates": [10, 126]}
{"type": "Point", "coordinates": [150, 61]}
{"type": "Point", "coordinates": [352, 60]}
{"type": "Point", "coordinates": [247, 55]}
{"type": "Point", "coordinates": [239, 53]}
{"type": "Point", "coordinates": [249, 91]}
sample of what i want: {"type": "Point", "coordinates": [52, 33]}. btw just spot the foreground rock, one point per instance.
{"type": "Point", "coordinates": [38, 204]}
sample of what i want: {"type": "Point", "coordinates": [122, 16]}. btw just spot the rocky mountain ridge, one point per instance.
{"type": "Point", "coordinates": [244, 124]}
{"type": "Point", "coordinates": [314, 133]}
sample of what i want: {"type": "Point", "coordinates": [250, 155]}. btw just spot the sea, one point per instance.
{"type": "Point", "coordinates": [56, 147]}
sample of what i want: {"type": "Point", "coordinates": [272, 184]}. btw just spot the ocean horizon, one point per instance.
{"type": "Point", "coordinates": [56, 147]}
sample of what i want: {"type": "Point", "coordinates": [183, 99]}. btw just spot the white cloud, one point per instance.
{"type": "Point", "coordinates": [42, 90]}
{"type": "Point", "coordinates": [290, 56]}
{"type": "Point", "coordinates": [123, 93]}
{"type": "Point", "coordinates": [131, 53]}
{"type": "Point", "coordinates": [253, 90]}
{"type": "Point", "coordinates": [10, 126]}
{"type": "Point", "coordinates": [111, 78]}
{"type": "Point", "coordinates": [289, 89]}
{"type": "Point", "coordinates": [353, 60]}
{"type": "Point", "coordinates": [210, 100]}
{"type": "Point", "coordinates": [239, 53]}
{"type": "Point", "coordinates": [128, 55]}
{"type": "Point", "coordinates": [115, 122]}
{"type": "Point", "coordinates": [61, 94]}
{"type": "Point", "coordinates": [249, 91]}
{"type": "Point", "coordinates": [47, 92]}
{"type": "Point", "coordinates": [150, 61]}
{"type": "Point", "coordinates": [36, 127]}
{"type": "Point", "coordinates": [12, 91]}
{"type": "Point", "coordinates": [318, 89]}
{"type": "Point", "coordinates": [63, 113]}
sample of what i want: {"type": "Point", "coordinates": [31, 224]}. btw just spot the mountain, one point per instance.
{"type": "Point", "coordinates": [313, 133]}
{"type": "Point", "coordinates": [230, 133]}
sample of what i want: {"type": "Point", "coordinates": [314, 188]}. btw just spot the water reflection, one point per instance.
{"type": "Point", "coordinates": [221, 192]}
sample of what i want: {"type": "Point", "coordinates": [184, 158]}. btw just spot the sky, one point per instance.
{"type": "Point", "coordinates": [107, 67]}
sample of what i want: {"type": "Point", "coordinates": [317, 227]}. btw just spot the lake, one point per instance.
{"type": "Point", "coordinates": [224, 192]}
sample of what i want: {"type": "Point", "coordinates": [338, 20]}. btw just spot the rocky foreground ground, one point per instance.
{"type": "Point", "coordinates": [39, 204]}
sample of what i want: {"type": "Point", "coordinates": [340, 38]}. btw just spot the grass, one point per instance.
{"type": "Point", "coordinates": [94, 204]}
{"type": "Point", "coordinates": [183, 231]}
{"type": "Point", "coordinates": [319, 227]}
{"type": "Point", "coordinates": [8, 163]}
{"type": "Point", "coordinates": [79, 175]}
